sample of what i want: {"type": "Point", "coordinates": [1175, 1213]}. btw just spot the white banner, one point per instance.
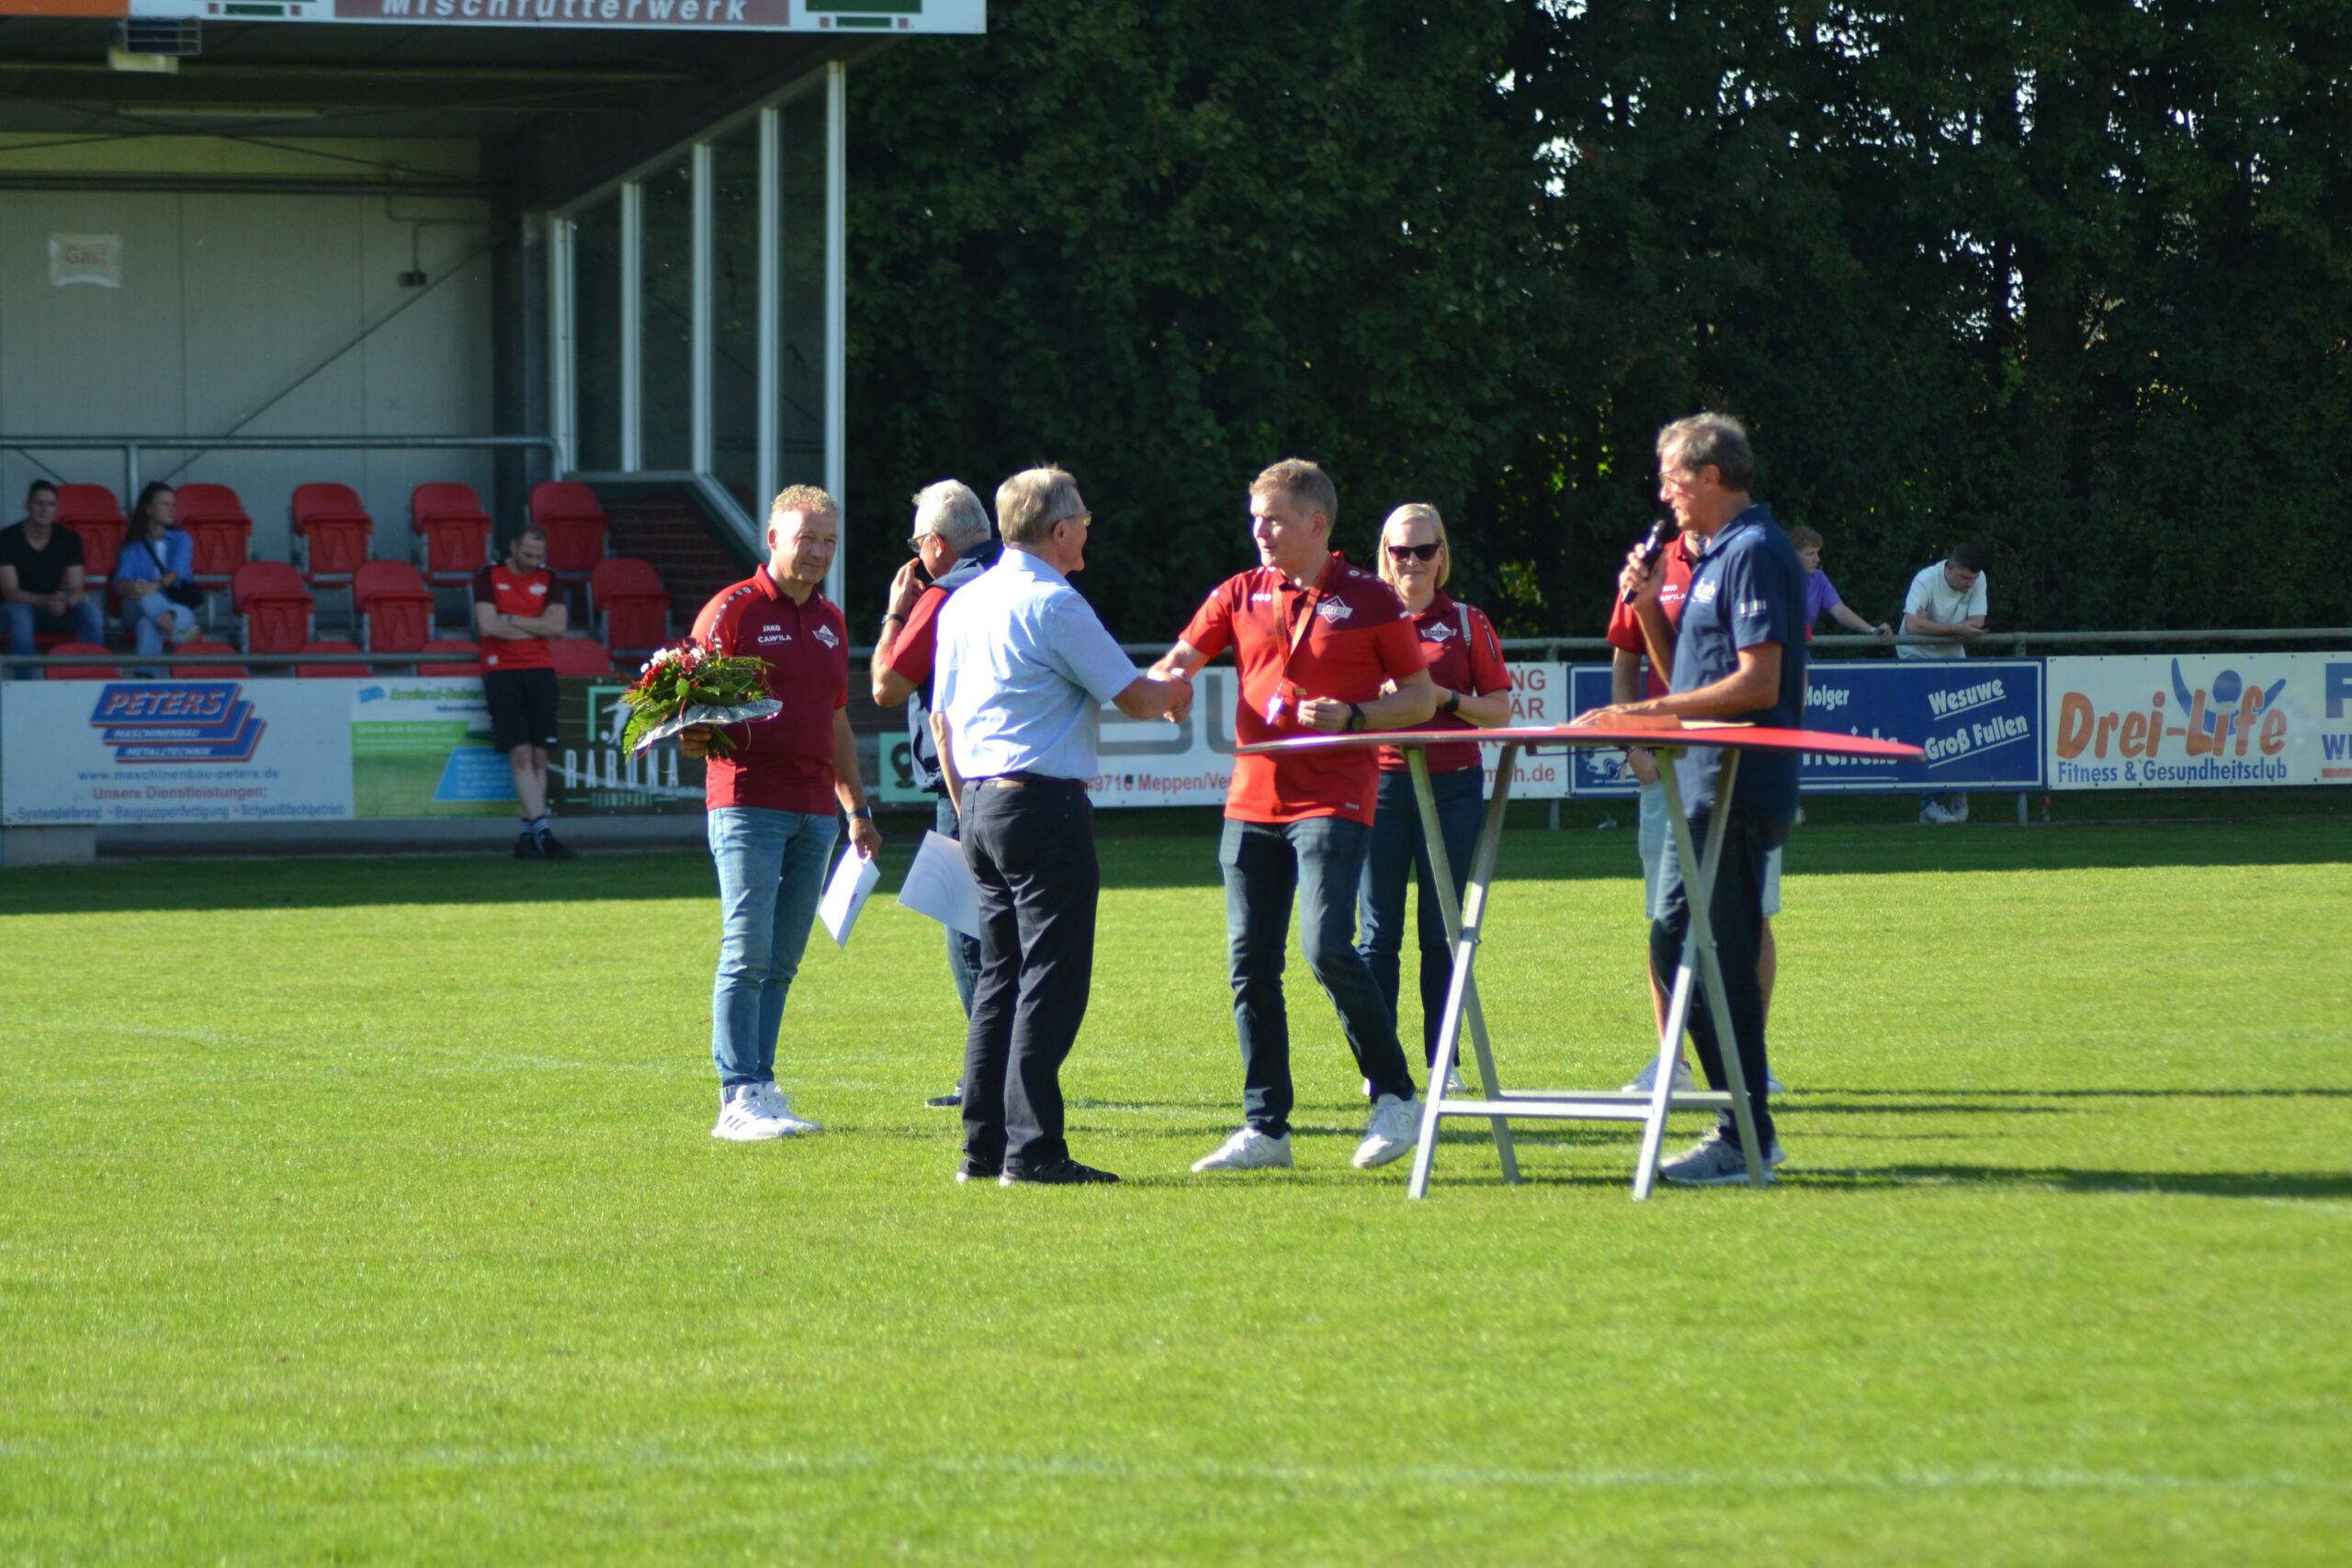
{"type": "Point", "coordinates": [76, 752]}
{"type": "Point", "coordinates": [2200, 721]}
{"type": "Point", "coordinates": [1153, 763]}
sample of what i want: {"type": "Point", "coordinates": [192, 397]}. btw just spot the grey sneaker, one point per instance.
{"type": "Point", "coordinates": [1716, 1163]}
{"type": "Point", "coordinates": [1248, 1150]}
{"type": "Point", "coordinates": [1395, 1127]}
{"type": "Point", "coordinates": [1646, 1079]}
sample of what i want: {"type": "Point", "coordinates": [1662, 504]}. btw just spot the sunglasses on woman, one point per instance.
{"type": "Point", "coordinates": [1414, 552]}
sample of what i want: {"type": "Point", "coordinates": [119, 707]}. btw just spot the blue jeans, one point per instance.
{"type": "Point", "coordinates": [963, 952]}
{"type": "Point", "coordinates": [772, 869]}
{"type": "Point", "coordinates": [1319, 861]}
{"type": "Point", "coordinates": [1735, 916]}
{"type": "Point", "coordinates": [147, 620]}
{"type": "Point", "coordinates": [81, 622]}
{"type": "Point", "coordinates": [1399, 855]}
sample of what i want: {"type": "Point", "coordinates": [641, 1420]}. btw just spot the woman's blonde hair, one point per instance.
{"type": "Point", "coordinates": [1415, 512]}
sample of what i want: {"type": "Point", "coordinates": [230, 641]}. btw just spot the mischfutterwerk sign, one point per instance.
{"type": "Point", "coordinates": [674, 16]}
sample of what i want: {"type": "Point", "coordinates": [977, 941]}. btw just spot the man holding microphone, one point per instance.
{"type": "Point", "coordinates": [1023, 669]}
{"type": "Point", "coordinates": [1316, 640]}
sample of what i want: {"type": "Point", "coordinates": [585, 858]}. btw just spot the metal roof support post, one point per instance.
{"type": "Point", "coordinates": [632, 314]}
{"type": "Point", "coordinates": [771, 330]}
{"type": "Point", "coordinates": [699, 325]}
{"type": "Point", "coordinates": [837, 312]}
{"type": "Point", "coordinates": [562, 386]}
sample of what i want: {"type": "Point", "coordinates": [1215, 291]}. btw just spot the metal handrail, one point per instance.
{"type": "Point", "coordinates": [132, 446]}
{"type": "Point", "coordinates": [261, 660]}
{"type": "Point", "coordinates": [2015, 642]}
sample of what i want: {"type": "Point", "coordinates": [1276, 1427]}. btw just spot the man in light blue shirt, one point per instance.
{"type": "Point", "coordinates": [1024, 667]}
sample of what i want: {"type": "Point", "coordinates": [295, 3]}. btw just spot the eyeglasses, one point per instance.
{"type": "Point", "coordinates": [1083, 519]}
{"type": "Point", "coordinates": [1414, 552]}
{"type": "Point", "coordinates": [915, 544]}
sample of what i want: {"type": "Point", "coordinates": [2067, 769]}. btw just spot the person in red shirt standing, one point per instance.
{"type": "Point", "coordinates": [1465, 663]}
{"type": "Point", "coordinates": [516, 612]}
{"type": "Point", "coordinates": [1324, 646]}
{"type": "Point", "coordinates": [771, 799]}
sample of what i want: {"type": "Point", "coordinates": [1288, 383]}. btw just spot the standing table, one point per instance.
{"type": "Point", "coordinates": [1465, 925]}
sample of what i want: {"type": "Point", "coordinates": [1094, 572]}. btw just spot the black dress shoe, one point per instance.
{"type": "Point", "coordinates": [527, 847]}
{"type": "Point", "coordinates": [948, 1101]}
{"type": "Point", "coordinates": [972, 1171]}
{"type": "Point", "coordinates": [1064, 1172]}
{"type": "Point", "coordinates": [554, 848]}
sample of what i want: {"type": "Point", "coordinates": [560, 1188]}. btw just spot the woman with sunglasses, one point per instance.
{"type": "Point", "coordinates": [1474, 692]}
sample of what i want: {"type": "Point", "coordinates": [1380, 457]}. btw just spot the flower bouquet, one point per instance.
{"type": "Point", "coordinates": [690, 684]}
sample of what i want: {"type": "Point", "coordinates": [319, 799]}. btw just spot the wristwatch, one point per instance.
{"type": "Point", "coordinates": [1355, 716]}
{"type": "Point", "coordinates": [862, 813]}
{"type": "Point", "coordinates": [1452, 699]}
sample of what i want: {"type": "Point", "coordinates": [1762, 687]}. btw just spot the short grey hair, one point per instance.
{"type": "Point", "coordinates": [1692, 444]}
{"type": "Point", "coordinates": [1030, 502]}
{"type": "Point", "coordinates": [950, 510]}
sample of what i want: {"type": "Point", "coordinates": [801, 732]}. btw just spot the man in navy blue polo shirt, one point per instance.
{"type": "Point", "coordinates": [1738, 654]}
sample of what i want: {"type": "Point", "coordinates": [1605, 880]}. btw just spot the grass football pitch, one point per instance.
{"type": "Point", "coordinates": [366, 1210]}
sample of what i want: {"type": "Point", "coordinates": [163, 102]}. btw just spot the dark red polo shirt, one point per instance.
{"type": "Point", "coordinates": [785, 763]}
{"type": "Point", "coordinates": [1340, 638]}
{"type": "Point", "coordinates": [1625, 626]}
{"type": "Point", "coordinates": [1463, 655]}
{"type": "Point", "coordinates": [918, 644]}
{"type": "Point", "coordinates": [520, 593]}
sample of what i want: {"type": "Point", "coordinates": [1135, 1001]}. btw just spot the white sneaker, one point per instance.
{"type": "Point", "coordinates": [1248, 1150]}
{"type": "Point", "coordinates": [1961, 815]}
{"type": "Point", "coordinates": [1454, 1086]}
{"type": "Point", "coordinates": [781, 1109]}
{"type": "Point", "coordinates": [744, 1116]}
{"type": "Point", "coordinates": [1648, 1079]}
{"type": "Point", "coordinates": [1933, 813]}
{"type": "Point", "coordinates": [1714, 1163]}
{"type": "Point", "coordinates": [1395, 1127]}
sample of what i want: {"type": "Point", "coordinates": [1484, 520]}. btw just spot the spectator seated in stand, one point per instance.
{"type": "Point", "coordinates": [1821, 594]}
{"type": "Point", "coordinates": [41, 585]}
{"type": "Point", "coordinates": [153, 578]}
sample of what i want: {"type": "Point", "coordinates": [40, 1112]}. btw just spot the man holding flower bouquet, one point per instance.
{"type": "Point", "coordinates": [771, 786]}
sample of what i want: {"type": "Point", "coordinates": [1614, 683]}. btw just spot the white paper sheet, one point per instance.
{"type": "Point", "coordinates": [940, 884]}
{"type": "Point", "coordinates": [853, 878]}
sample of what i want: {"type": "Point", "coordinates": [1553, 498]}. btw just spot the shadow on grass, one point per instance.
{"type": "Point", "coordinates": [2321, 1186]}
{"type": "Point", "coordinates": [1159, 860]}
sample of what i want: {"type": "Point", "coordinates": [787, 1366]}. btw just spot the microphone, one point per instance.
{"type": "Point", "coordinates": [1651, 548]}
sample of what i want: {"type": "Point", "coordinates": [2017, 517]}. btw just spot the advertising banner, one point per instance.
{"type": "Point", "coordinates": [1153, 763]}
{"type": "Point", "coordinates": [1979, 720]}
{"type": "Point", "coordinates": [2200, 721]}
{"type": "Point", "coordinates": [670, 16]}
{"type": "Point", "coordinates": [589, 775]}
{"type": "Point", "coordinates": [420, 747]}
{"type": "Point", "coordinates": [90, 751]}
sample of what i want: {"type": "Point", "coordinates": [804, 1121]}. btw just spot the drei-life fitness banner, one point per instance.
{"type": "Point", "coordinates": [1153, 763]}
{"type": "Point", "coordinates": [2200, 721]}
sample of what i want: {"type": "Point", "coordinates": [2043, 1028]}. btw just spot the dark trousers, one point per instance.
{"type": "Point", "coordinates": [1735, 914]}
{"type": "Point", "coordinates": [1320, 863]}
{"type": "Point", "coordinates": [1399, 855]}
{"type": "Point", "coordinates": [963, 952]}
{"type": "Point", "coordinates": [1030, 844]}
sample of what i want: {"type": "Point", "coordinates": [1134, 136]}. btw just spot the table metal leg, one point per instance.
{"type": "Point", "coordinates": [1702, 966]}
{"type": "Point", "coordinates": [1449, 1044]}
{"type": "Point", "coordinates": [1459, 990]}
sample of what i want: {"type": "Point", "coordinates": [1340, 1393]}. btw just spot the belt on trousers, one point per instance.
{"type": "Point", "coordinates": [1025, 781]}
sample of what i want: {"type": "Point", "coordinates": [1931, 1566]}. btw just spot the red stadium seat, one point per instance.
{"type": "Point", "coordinates": [82, 671]}
{"type": "Point", "coordinates": [90, 511]}
{"type": "Point", "coordinates": [394, 608]}
{"type": "Point", "coordinates": [577, 531]}
{"type": "Point", "coordinates": [332, 533]}
{"type": "Point", "coordinates": [218, 530]}
{"type": "Point", "coordinates": [331, 672]}
{"type": "Point", "coordinates": [452, 533]}
{"type": "Point", "coordinates": [453, 648]}
{"type": "Point", "coordinates": [205, 671]}
{"type": "Point", "coordinates": [626, 595]}
{"type": "Point", "coordinates": [272, 606]}
{"type": "Point", "coordinates": [579, 656]}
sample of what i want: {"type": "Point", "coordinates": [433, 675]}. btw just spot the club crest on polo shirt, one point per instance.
{"type": "Point", "coordinates": [1704, 593]}
{"type": "Point", "coordinates": [1440, 632]}
{"type": "Point", "coordinates": [825, 635]}
{"type": "Point", "coordinates": [1334, 611]}
{"type": "Point", "coordinates": [540, 587]}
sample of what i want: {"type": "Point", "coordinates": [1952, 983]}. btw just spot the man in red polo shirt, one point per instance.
{"type": "Point", "coordinates": [770, 802]}
{"type": "Point", "coordinates": [1317, 639]}
{"type": "Point", "coordinates": [516, 612]}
